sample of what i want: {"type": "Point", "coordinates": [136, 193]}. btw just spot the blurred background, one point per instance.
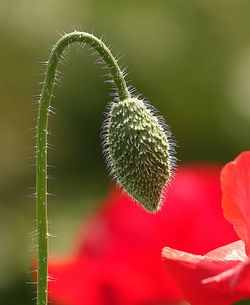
{"type": "Point", "coordinates": [190, 58]}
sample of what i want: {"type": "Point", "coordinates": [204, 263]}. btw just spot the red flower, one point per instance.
{"type": "Point", "coordinates": [222, 276]}
{"type": "Point", "coordinates": [117, 258]}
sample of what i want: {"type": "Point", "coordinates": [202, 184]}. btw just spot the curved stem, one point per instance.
{"type": "Point", "coordinates": [41, 142]}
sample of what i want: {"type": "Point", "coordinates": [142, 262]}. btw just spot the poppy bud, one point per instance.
{"type": "Point", "coordinates": [139, 151]}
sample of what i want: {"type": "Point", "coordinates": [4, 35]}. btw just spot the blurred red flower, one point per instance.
{"type": "Point", "coordinates": [222, 276]}
{"type": "Point", "coordinates": [117, 257]}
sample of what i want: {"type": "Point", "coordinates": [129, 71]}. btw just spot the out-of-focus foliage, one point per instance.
{"type": "Point", "coordinates": [244, 302]}
{"type": "Point", "coordinates": [190, 58]}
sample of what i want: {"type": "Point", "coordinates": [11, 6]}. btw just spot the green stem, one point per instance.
{"type": "Point", "coordinates": [41, 142]}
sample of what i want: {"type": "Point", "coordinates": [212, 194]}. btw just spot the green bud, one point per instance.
{"type": "Point", "coordinates": [138, 149]}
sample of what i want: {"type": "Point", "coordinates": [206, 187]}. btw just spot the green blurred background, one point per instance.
{"type": "Point", "coordinates": [190, 58]}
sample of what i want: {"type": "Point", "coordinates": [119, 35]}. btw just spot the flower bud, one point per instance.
{"type": "Point", "coordinates": [139, 151]}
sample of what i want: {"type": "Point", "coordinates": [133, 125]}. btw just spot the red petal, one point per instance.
{"type": "Point", "coordinates": [235, 279]}
{"type": "Point", "coordinates": [235, 181]}
{"type": "Point", "coordinates": [233, 251]}
{"type": "Point", "coordinates": [74, 282]}
{"type": "Point", "coordinates": [194, 274]}
{"type": "Point", "coordinates": [191, 218]}
{"type": "Point", "coordinates": [118, 256]}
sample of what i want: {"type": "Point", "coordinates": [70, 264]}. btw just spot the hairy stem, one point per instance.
{"type": "Point", "coordinates": [41, 142]}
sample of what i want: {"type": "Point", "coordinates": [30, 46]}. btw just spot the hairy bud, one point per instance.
{"type": "Point", "coordinates": [138, 149]}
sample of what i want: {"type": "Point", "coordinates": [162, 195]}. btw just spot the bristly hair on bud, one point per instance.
{"type": "Point", "coordinates": [139, 151]}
